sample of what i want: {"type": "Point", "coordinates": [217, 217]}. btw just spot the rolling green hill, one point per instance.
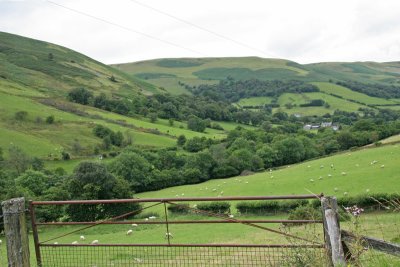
{"type": "Point", "coordinates": [35, 78]}
{"type": "Point", "coordinates": [167, 73]}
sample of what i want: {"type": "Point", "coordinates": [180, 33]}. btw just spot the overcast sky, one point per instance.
{"type": "Point", "coordinates": [132, 30]}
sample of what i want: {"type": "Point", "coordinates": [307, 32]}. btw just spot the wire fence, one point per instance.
{"type": "Point", "coordinates": [180, 255]}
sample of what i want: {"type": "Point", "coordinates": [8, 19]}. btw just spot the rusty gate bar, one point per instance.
{"type": "Point", "coordinates": [162, 200]}
{"type": "Point", "coordinates": [183, 222]}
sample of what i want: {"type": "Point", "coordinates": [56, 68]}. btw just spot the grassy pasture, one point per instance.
{"type": "Point", "coordinates": [298, 99]}
{"type": "Point", "coordinates": [255, 101]}
{"type": "Point", "coordinates": [346, 93]}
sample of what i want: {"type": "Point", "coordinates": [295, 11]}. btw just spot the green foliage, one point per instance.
{"type": "Point", "coordinates": [215, 207]}
{"type": "Point", "coordinates": [182, 208]}
{"type": "Point", "coordinates": [37, 164]}
{"type": "Point", "coordinates": [50, 119]}
{"type": "Point", "coordinates": [245, 74]}
{"type": "Point", "coordinates": [133, 168]}
{"type": "Point", "coordinates": [196, 124]}
{"type": "Point", "coordinates": [181, 140]}
{"type": "Point", "coordinates": [18, 159]}
{"type": "Point", "coordinates": [80, 95]}
{"type": "Point", "coordinates": [195, 144]}
{"type": "Point", "coordinates": [93, 181]}
{"type": "Point", "coordinates": [34, 181]}
{"type": "Point", "coordinates": [21, 115]}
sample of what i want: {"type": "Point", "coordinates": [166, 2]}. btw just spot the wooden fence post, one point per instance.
{"type": "Point", "coordinates": [333, 240]}
{"type": "Point", "coordinates": [16, 232]}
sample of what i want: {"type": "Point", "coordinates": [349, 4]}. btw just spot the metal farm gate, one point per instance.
{"type": "Point", "coordinates": [291, 250]}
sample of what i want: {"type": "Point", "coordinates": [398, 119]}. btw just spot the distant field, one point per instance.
{"type": "Point", "coordinates": [297, 99]}
{"type": "Point", "coordinates": [255, 101]}
{"type": "Point", "coordinates": [346, 93]}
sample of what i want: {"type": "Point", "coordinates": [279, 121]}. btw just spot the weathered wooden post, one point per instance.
{"type": "Point", "coordinates": [333, 240]}
{"type": "Point", "coordinates": [16, 232]}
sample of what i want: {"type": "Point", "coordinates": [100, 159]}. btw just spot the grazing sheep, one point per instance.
{"type": "Point", "coordinates": [82, 237]}
{"type": "Point", "coordinates": [231, 216]}
{"type": "Point", "coordinates": [75, 243]}
{"type": "Point", "coordinates": [194, 206]}
{"type": "Point", "coordinates": [312, 180]}
{"type": "Point", "coordinates": [345, 193]}
{"type": "Point", "coordinates": [146, 219]}
{"type": "Point", "coordinates": [152, 217]}
{"type": "Point", "coordinates": [320, 178]}
{"type": "Point", "coordinates": [321, 167]}
{"type": "Point", "coordinates": [138, 260]}
{"type": "Point", "coordinates": [95, 242]}
{"type": "Point", "coordinates": [329, 175]}
{"type": "Point", "coordinates": [55, 243]}
{"type": "Point", "coordinates": [168, 235]}
{"type": "Point", "coordinates": [177, 195]}
{"type": "Point", "coordinates": [129, 232]}
{"type": "Point", "coordinates": [1, 242]}
{"type": "Point", "coordinates": [224, 182]}
{"type": "Point", "coordinates": [308, 166]}
{"type": "Point", "coordinates": [214, 190]}
{"type": "Point", "coordinates": [183, 194]}
{"type": "Point", "coordinates": [134, 225]}
{"type": "Point", "coordinates": [344, 174]}
{"type": "Point", "coordinates": [382, 166]}
{"type": "Point", "coordinates": [336, 189]}
{"type": "Point", "coordinates": [222, 192]}
{"type": "Point", "coordinates": [247, 182]}
{"type": "Point", "coordinates": [331, 166]}
{"type": "Point", "coordinates": [367, 190]}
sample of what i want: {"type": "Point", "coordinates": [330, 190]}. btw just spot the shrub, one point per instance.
{"type": "Point", "coordinates": [259, 208]}
{"type": "Point", "coordinates": [215, 207]}
{"type": "Point", "coordinates": [305, 213]}
{"type": "Point", "coordinates": [21, 115]}
{"type": "Point", "coordinates": [182, 208]}
{"type": "Point", "coordinates": [50, 119]}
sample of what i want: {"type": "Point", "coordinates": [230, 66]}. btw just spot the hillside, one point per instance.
{"type": "Point", "coordinates": [35, 78]}
{"type": "Point", "coordinates": [193, 71]}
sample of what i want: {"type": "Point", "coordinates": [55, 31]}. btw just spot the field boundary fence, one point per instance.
{"type": "Point", "coordinates": [52, 251]}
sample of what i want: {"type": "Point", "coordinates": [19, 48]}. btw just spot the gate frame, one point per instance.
{"type": "Point", "coordinates": [330, 222]}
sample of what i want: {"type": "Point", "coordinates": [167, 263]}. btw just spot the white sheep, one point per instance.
{"type": "Point", "coordinates": [183, 194]}
{"type": "Point", "coordinates": [329, 175]}
{"type": "Point", "coordinates": [214, 190]}
{"type": "Point", "coordinates": [138, 260]}
{"type": "Point", "coordinates": [134, 225]}
{"type": "Point", "coordinates": [168, 235]}
{"type": "Point", "coordinates": [75, 243]}
{"type": "Point", "coordinates": [345, 193]}
{"type": "Point", "coordinates": [130, 231]}
{"type": "Point", "coordinates": [247, 182]}
{"type": "Point", "coordinates": [231, 216]}
{"type": "Point", "coordinates": [1, 242]}
{"type": "Point", "coordinates": [312, 180]}
{"type": "Point", "coordinates": [146, 219]}
{"type": "Point", "coordinates": [382, 166]}
{"type": "Point", "coordinates": [367, 190]}
{"type": "Point", "coordinates": [336, 189]}
{"type": "Point", "coordinates": [82, 237]}
{"type": "Point", "coordinates": [344, 173]}
{"type": "Point", "coordinates": [55, 243]}
{"type": "Point", "coordinates": [95, 242]}
{"type": "Point", "coordinates": [152, 217]}
{"type": "Point", "coordinates": [321, 167]}
{"type": "Point", "coordinates": [308, 166]}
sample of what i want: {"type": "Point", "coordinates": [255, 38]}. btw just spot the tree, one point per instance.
{"type": "Point", "coordinates": [21, 115]}
{"type": "Point", "coordinates": [289, 150]}
{"type": "Point", "coordinates": [37, 164]}
{"type": "Point", "coordinates": [181, 140]}
{"type": "Point", "coordinates": [34, 181]}
{"type": "Point", "coordinates": [50, 119]}
{"type": "Point", "coordinates": [195, 144]}
{"type": "Point", "coordinates": [80, 95]}
{"type": "Point", "coordinates": [196, 124]}
{"type": "Point", "coordinates": [153, 117]}
{"type": "Point", "coordinates": [93, 181]}
{"type": "Point", "coordinates": [18, 160]}
{"type": "Point", "coordinates": [133, 168]}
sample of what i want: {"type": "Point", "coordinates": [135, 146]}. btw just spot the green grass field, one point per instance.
{"type": "Point", "coordinates": [254, 101]}
{"type": "Point", "coordinates": [346, 93]}
{"type": "Point", "coordinates": [297, 99]}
